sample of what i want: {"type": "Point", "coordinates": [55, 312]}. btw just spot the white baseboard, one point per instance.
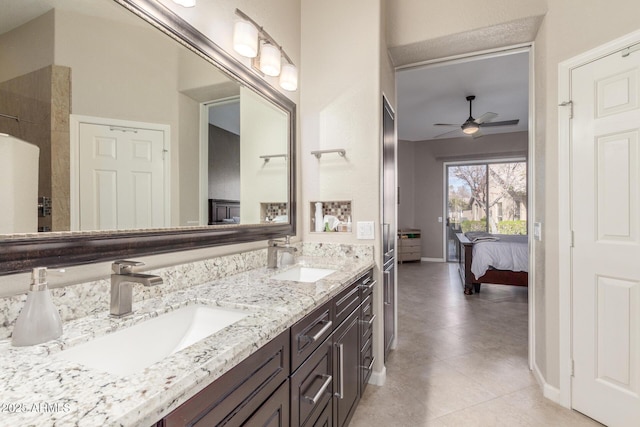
{"type": "Point", "coordinates": [548, 391]}
{"type": "Point", "coordinates": [432, 259]}
{"type": "Point", "coordinates": [378, 377]}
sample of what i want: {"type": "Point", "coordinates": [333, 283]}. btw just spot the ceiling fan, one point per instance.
{"type": "Point", "coordinates": [472, 126]}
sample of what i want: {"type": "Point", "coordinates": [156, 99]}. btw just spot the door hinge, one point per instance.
{"type": "Point", "coordinates": [164, 154]}
{"type": "Point", "coordinates": [570, 105]}
{"type": "Point", "coordinates": [572, 238]}
{"type": "Point", "coordinates": [573, 368]}
{"type": "Point", "coordinates": [628, 51]}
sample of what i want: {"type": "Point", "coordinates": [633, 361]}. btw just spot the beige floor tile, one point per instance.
{"type": "Point", "coordinates": [461, 360]}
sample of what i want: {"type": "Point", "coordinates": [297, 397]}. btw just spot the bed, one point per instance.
{"type": "Point", "coordinates": [503, 260]}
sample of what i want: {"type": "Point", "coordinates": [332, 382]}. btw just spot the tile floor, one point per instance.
{"type": "Point", "coordinates": [461, 360]}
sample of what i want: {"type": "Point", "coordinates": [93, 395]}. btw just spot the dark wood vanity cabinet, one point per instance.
{"type": "Point", "coordinates": [244, 395]}
{"type": "Point", "coordinates": [346, 371]}
{"type": "Point", "coordinates": [311, 375]}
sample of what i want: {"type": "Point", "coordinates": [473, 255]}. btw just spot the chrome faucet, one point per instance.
{"type": "Point", "coordinates": [273, 248]}
{"type": "Point", "coordinates": [121, 290]}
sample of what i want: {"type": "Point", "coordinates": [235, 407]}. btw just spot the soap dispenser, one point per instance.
{"type": "Point", "coordinates": [39, 320]}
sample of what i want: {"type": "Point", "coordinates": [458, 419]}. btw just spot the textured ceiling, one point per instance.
{"type": "Point", "coordinates": [496, 36]}
{"type": "Point", "coordinates": [436, 94]}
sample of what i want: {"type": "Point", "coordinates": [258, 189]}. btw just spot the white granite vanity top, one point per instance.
{"type": "Point", "coordinates": [40, 390]}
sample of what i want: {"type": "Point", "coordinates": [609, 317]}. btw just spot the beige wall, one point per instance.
{"type": "Point", "coordinates": [27, 48]}
{"type": "Point", "coordinates": [343, 78]}
{"type": "Point", "coordinates": [263, 131]}
{"type": "Point", "coordinates": [569, 29]}
{"type": "Point", "coordinates": [421, 175]}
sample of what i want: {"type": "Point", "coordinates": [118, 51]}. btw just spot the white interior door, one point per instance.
{"type": "Point", "coordinates": [121, 177]}
{"type": "Point", "coordinates": [606, 255]}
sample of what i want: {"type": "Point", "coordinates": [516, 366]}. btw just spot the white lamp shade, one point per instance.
{"type": "Point", "coordinates": [289, 77]}
{"type": "Point", "coordinates": [270, 59]}
{"type": "Point", "coordinates": [185, 3]}
{"type": "Point", "coordinates": [245, 39]}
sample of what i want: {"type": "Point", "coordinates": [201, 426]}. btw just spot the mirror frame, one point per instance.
{"type": "Point", "coordinates": [20, 253]}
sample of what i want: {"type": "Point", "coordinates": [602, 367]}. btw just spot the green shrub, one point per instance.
{"type": "Point", "coordinates": [474, 225]}
{"type": "Point", "coordinates": [512, 227]}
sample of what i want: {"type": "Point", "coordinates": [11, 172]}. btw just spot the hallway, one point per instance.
{"type": "Point", "coordinates": [461, 360]}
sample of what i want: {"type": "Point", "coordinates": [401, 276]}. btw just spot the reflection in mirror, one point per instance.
{"type": "Point", "coordinates": [134, 130]}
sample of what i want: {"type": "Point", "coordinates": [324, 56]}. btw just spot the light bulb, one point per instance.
{"type": "Point", "coordinates": [289, 77]}
{"type": "Point", "coordinates": [245, 39]}
{"type": "Point", "coordinates": [270, 59]}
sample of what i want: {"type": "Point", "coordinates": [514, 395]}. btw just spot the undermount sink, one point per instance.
{"type": "Point", "coordinates": [304, 274]}
{"type": "Point", "coordinates": [132, 349]}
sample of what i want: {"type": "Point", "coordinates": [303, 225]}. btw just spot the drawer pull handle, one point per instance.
{"type": "Point", "coordinates": [370, 367]}
{"type": "Point", "coordinates": [368, 287]}
{"type": "Point", "coordinates": [370, 321]}
{"type": "Point", "coordinates": [340, 395]}
{"type": "Point", "coordinates": [327, 325]}
{"type": "Point", "coordinates": [365, 281]}
{"type": "Point", "coordinates": [386, 287]}
{"type": "Point", "coordinates": [313, 400]}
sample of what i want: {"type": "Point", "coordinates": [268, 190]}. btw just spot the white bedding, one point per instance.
{"type": "Point", "coordinates": [508, 253]}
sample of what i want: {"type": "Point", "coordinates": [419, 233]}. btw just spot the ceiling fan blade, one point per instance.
{"type": "Point", "coordinates": [486, 117]}
{"type": "Point", "coordinates": [503, 123]}
{"type": "Point", "coordinates": [477, 135]}
{"type": "Point", "coordinates": [444, 124]}
{"type": "Point", "coordinates": [447, 133]}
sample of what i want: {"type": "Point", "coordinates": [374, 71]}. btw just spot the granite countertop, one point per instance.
{"type": "Point", "coordinates": [42, 390]}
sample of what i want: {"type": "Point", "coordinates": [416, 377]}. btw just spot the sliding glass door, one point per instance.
{"type": "Point", "coordinates": [485, 196]}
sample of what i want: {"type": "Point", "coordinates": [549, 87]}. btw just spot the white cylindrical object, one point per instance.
{"type": "Point", "coordinates": [185, 3]}
{"type": "Point", "coordinates": [289, 77]}
{"type": "Point", "coordinates": [245, 39]}
{"type": "Point", "coordinates": [319, 217]}
{"type": "Point", "coordinates": [270, 60]}
{"type": "Point", "coordinates": [19, 190]}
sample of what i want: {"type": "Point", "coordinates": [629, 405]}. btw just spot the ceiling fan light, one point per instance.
{"type": "Point", "coordinates": [470, 127]}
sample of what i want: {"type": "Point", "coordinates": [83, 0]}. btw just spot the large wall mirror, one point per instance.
{"type": "Point", "coordinates": [124, 131]}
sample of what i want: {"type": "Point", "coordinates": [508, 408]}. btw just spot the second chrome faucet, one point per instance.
{"type": "Point", "coordinates": [122, 278]}
{"type": "Point", "coordinates": [273, 247]}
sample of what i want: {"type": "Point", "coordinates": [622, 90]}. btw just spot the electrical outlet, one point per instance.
{"type": "Point", "coordinates": [365, 230]}
{"type": "Point", "coordinates": [537, 231]}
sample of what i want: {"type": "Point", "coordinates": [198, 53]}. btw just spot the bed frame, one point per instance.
{"type": "Point", "coordinates": [496, 277]}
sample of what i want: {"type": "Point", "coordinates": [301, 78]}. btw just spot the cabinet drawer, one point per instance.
{"type": "Point", "coordinates": [326, 417]}
{"type": "Point", "coordinates": [312, 386]}
{"type": "Point", "coordinates": [366, 284]}
{"type": "Point", "coordinates": [274, 412]}
{"type": "Point", "coordinates": [236, 395]}
{"type": "Point", "coordinates": [366, 363]}
{"type": "Point", "coordinates": [308, 333]}
{"type": "Point", "coordinates": [346, 301]}
{"type": "Point", "coordinates": [410, 243]}
{"type": "Point", "coordinates": [367, 316]}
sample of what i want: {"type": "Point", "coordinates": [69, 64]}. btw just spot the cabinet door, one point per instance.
{"type": "Point", "coordinates": [326, 417]}
{"type": "Point", "coordinates": [312, 386]}
{"type": "Point", "coordinates": [274, 412]}
{"type": "Point", "coordinates": [346, 351]}
{"type": "Point", "coordinates": [389, 308]}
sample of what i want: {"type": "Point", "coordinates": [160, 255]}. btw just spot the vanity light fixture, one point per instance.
{"type": "Point", "coordinates": [318, 153]}
{"type": "Point", "coordinates": [252, 41]}
{"type": "Point", "coordinates": [185, 3]}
